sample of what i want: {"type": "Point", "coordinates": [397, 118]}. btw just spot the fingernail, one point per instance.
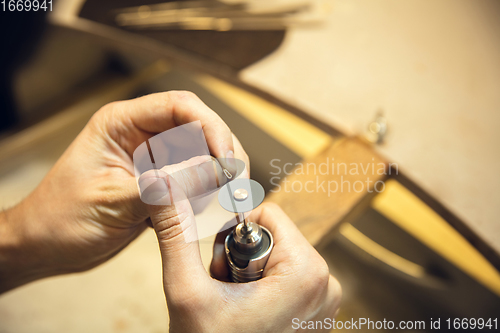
{"type": "Point", "coordinates": [230, 163]}
{"type": "Point", "coordinates": [221, 177]}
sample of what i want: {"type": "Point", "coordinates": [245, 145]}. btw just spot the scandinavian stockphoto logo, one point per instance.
{"type": "Point", "coordinates": [329, 176]}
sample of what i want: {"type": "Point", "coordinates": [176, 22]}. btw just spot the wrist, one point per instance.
{"type": "Point", "coordinates": [9, 250]}
{"type": "Point", "coordinates": [18, 263]}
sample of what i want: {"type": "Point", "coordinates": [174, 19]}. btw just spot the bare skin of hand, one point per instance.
{"type": "Point", "coordinates": [296, 282]}
{"type": "Point", "coordinates": [88, 206]}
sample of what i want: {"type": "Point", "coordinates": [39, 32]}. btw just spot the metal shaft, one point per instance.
{"type": "Point", "coordinates": [240, 218]}
{"type": "Point", "coordinates": [248, 247]}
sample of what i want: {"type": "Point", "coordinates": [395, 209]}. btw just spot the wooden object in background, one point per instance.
{"type": "Point", "coordinates": [432, 66]}
{"type": "Point", "coordinates": [315, 212]}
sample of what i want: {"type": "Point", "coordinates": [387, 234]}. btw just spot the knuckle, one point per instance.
{"type": "Point", "coordinates": [112, 105]}
{"type": "Point", "coordinates": [99, 193]}
{"type": "Point", "coordinates": [174, 225]}
{"type": "Point", "coordinates": [97, 116]}
{"type": "Point", "coordinates": [323, 273]}
{"type": "Point", "coordinates": [185, 179]}
{"type": "Point", "coordinates": [168, 227]}
{"type": "Point", "coordinates": [167, 235]}
{"type": "Point", "coordinates": [108, 108]}
{"type": "Point", "coordinates": [318, 281]}
{"type": "Point", "coordinates": [105, 115]}
{"type": "Point", "coordinates": [183, 95]}
{"type": "Point", "coordinates": [316, 285]}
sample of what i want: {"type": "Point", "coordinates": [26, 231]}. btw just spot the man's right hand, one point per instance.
{"type": "Point", "coordinates": [296, 281]}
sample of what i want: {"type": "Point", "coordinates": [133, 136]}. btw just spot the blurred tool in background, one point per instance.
{"type": "Point", "coordinates": [222, 15]}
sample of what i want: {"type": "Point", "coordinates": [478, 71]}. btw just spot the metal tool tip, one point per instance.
{"type": "Point", "coordinates": [248, 227]}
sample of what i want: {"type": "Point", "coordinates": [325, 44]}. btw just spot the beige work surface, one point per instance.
{"type": "Point", "coordinates": [434, 69]}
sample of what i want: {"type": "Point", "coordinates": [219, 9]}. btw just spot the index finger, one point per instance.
{"type": "Point", "coordinates": [159, 112]}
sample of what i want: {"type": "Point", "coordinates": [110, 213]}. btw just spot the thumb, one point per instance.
{"type": "Point", "coordinates": [174, 224]}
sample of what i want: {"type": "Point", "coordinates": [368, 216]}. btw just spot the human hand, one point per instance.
{"type": "Point", "coordinates": [296, 282]}
{"type": "Point", "coordinates": [88, 207]}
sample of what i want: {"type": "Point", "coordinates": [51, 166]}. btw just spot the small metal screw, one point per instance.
{"type": "Point", "coordinates": [240, 194]}
{"type": "Point", "coordinates": [377, 129]}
